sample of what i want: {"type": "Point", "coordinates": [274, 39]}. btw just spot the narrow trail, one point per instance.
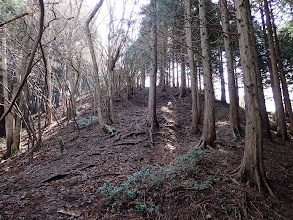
{"type": "Point", "coordinates": [64, 187]}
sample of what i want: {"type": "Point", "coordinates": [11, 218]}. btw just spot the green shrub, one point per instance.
{"type": "Point", "coordinates": [157, 180]}
{"type": "Point", "coordinates": [85, 122]}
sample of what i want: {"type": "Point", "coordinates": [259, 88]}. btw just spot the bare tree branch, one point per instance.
{"type": "Point", "coordinates": [14, 19]}
{"type": "Point", "coordinates": [31, 59]}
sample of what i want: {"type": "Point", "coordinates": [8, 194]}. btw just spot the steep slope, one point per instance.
{"type": "Point", "coordinates": [75, 184]}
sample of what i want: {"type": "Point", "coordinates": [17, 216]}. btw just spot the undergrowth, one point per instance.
{"type": "Point", "coordinates": [85, 122]}
{"type": "Point", "coordinates": [147, 187]}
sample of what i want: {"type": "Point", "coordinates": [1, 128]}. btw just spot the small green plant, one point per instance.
{"type": "Point", "coordinates": [188, 163]}
{"type": "Point", "coordinates": [159, 208]}
{"type": "Point", "coordinates": [85, 122]}
{"type": "Point", "coordinates": [141, 208]}
{"type": "Point", "coordinates": [157, 180]}
{"type": "Point", "coordinates": [228, 208]}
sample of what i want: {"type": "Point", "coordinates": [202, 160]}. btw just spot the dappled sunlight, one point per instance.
{"type": "Point", "coordinates": [170, 147]}
{"type": "Point", "coordinates": [166, 109]}
{"type": "Point", "coordinates": [222, 123]}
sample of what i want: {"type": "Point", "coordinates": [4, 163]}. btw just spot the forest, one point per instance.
{"type": "Point", "coordinates": [146, 109]}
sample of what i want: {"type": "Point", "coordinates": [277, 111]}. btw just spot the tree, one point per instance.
{"type": "Point", "coordinates": [182, 88]}
{"type": "Point", "coordinates": [95, 65]}
{"type": "Point", "coordinates": [9, 120]}
{"type": "Point", "coordinates": [251, 168]}
{"type": "Point", "coordinates": [209, 131]}
{"type": "Point", "coordinates": [281, 122]}
{"type": "Point", "coordinates": [286, 97]}
{"type": "Point", "coordinates": [194, 89]}
{"type": "Point", "coordinates": [233, 113]}
{"type": "Point", "coordinates": [28, 68]}
{"type": "Point", "coordinates": [152, 115]}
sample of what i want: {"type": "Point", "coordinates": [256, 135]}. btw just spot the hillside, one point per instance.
{"type": "Point", "coordinates": [155, 175]}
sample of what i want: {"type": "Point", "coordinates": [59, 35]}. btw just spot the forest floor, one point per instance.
{"type": "Point", "coordinates": [137, 174]}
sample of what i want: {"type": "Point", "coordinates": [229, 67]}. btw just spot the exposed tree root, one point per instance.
{"type": "Point", "coordinates": [260, 180]}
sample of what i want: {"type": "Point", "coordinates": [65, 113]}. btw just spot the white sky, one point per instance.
{"type": "Point", "coordinates": [132, 9]}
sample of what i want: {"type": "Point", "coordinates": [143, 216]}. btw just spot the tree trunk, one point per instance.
{"type": "Point", "coordinates": [173, 67]}
{"type": "Point", "coordinates": [209, 131]}
{"type": "Point", "coordinates": [49, 90]}
{"type": "Point", "coordinates": [152, 114]}
{"type": "Point", "coordinates": [288, 106]}
{"type": "Point", "coordinates": [95, 65]}
{"type": "Point", "coordinates": [223, 90]}
{"type": "Point", "coordinates": [264, 115]}
{"type": "Point", "coordinates": [143, 76]}
{"type": "Point", "coordinates": [16, 146]}
{"type": "Point", "coordinates": [281, 122]}
{"type": "Point", "coordinates": [9, 119]}
{"type": "Point", "coordinates": [177, 68]}
{"type": "Point", "coordinates": [233, 112]}
{"type": "Point", "coordinates": [193, 75]}
{"type": "Point", "coordinates": [251, 169]}
{"type": "Point", "coordinates": [197, 73]}
{"type": "Point", "coordinates": [182, 89]}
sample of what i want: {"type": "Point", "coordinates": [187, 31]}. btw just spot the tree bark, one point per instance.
{"type": "Point", "coordinates": [281, 122]}
{"type": "Point", "coordinates": [95, 65]}
{"type": "Point", "coordinates": [251, 168]}
{"type": "Point", "coordinates": [49, 89]}
{"type": "Point", "coordinates": [31, 59]}
{"type": "Point", "coordinates": [182, 88]}
{"type": "Point", "coordinates": [9, 119]}
{"type": "Point", "coordinates": [173, 67]}
{"type": "Point", "coordinates": [152, 113]}
{"type": "Point", "coordinates": [287, 101]}
{"type": "Point", "coordinates": [233, 111]}
{"type": "Point", "coordinates": [194, 90]}
{"type": "Point", "coordinates": [221, 70]}
{"type": "Point", "coordinates": [143, 76]}
{"type": "Point", "coordinates": [16, 146]}
{"type": "Point", "coordinates": [264, 115]}
{"type": "Point", "coordinates": [209, 131]}
{"type": "Point", "coordinates": [177, 68]}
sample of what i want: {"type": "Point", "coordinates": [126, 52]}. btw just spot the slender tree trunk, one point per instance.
{"type": "Point", "coordinates": [233, 112]}
{"type": "Point", "coordinates": [9, 120]}
{"type": "Point", "coordinates": [193, 75]}
{"type": "Point", "coordinates": [96, 70]}
{"type": "Point", "coordinates": [16, 146]}
{"type": "Point", "coordinates": [287, 101]}
{"type": "Point", "coordinates": [143, 76]}
{"type": "Point", "coordinates": [173, 67]}
{"type": "Point", "coordinates": [152, 113]}
{"type": "Point", "coordinates": [197, 73]}
{"type": "Point", "coordinates": [281, 122]}
{"type": "Point", "coordinates": [177, 68]}
{"type": "Point", "coordinates": [264, 115]}
{"type": "Point", "coordinates": [209, 131]}
{"type": "Point", "coordinates": [199, 80]}
{"type": "Point", "coordinates": [182, 88]}
{"type": "Point", "coordinates": [251, 169]}
{"type": "Point", "coordinates": [49, 89]}
{"type": "Point", "coordinates": [221, 70]}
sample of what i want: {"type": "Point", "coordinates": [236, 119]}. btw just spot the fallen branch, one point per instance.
{"type": "Point", "coordinates": [128, 135]}
{"type": "Point", "coordinates": [56, 177]}
{"type": "Point", "coordinates": [129, 142]}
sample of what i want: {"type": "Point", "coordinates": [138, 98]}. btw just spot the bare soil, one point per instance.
{"type": "Point", "coordinates": [66, 187]}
